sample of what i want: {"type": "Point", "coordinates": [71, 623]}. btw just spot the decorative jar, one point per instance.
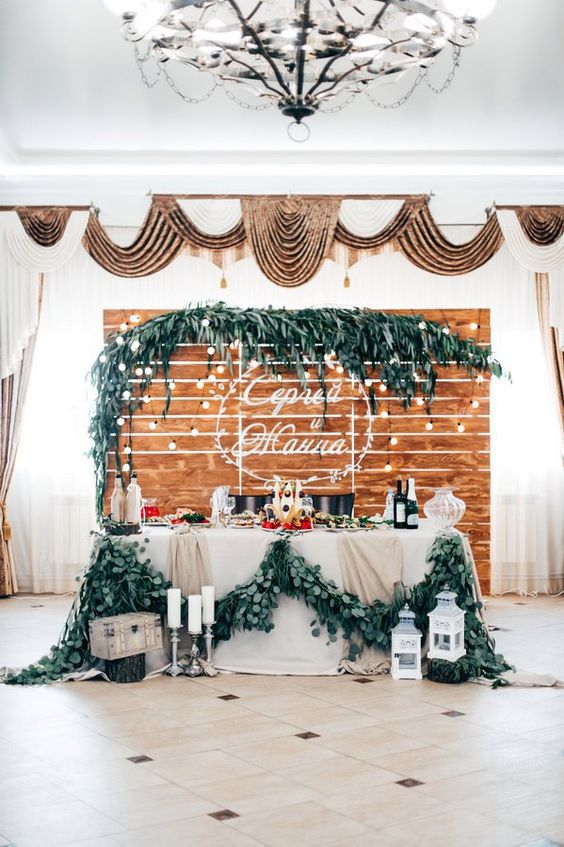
{"type": "Point", "coordinates": [444, 509]}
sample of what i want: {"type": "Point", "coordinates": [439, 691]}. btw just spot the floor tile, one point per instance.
{"type": "Point", "coordinates": [386, 805]}
{"type": "Point", "coordinates": [192, 832]}
{"type": "Point", "coordinates": [252, 794]}
{"type": "Point", "coordinates": [194, 771]}
{"type": "Point", "coordinates": [277, 753]}
{"type": "Point", "coordinates": [148, 806]}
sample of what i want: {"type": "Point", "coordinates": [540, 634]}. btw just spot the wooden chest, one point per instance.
{"type": "Point", "coordinates": [125, 635]}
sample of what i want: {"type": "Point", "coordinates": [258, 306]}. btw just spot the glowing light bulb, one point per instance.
{"type": "Point", "coordinates": [148, 370]}
{"type": "Point", "coordinates": [384, 413]}
{"type": "Point", "coordinates": [194, 431]}
{"type": "Point", "coordinates": [473, 326]}
{"type": "Point", "coordinates": [212, 377]}
{"type": "Point", "coordinates": [146, 398]}
{"type": "Point", "coordinates": [135, 318]}
{"type": "Point", "coordinates": [127, 450]}
{"type": "Point", "coordinates": [479, 378]}
{"type": "Point", "coordinates": [123, 326]}
{"type": "Point", "coordinates": [383, 387]}
{"type": "Point", "coordinates": [126, 395]}
{"type": "Point", "coordinates": [139, 371]}
{"type": "Point", "coordinates": [340, 369]}
{"type": "Point", "coordinates": [153, 425]}
{"type": "Point", "coordinates": [135, 344]}
{"type": "Point", "coordinates": [121, 367]}
{"type": "Point", "coordinates": [172, 445]}
{"type": "Point", "coordinates": [429, 425]}
{"type": "Point", "coordinates": [220, 369]}
{"type": "Point", "coordinates": [200, 383]}
{"type": "Point", "coordinates": [387, 467]}
{"type": "Point", "coordinates": [126, 467]}
{"type": "Point", "coordinates": [120, 421]}
{"type": "Point", "coordinates": [102, 358]}
{"type": "Point", "coordinates": [119, 340]}
{"type": "Point", "coordinates": [205, 322]}
{"type": "Point", "coordinates": [446, 330]}
{"type": "Point", "coordinates": [422, 325]}
{"type": "Point", "coordinates": [368, 382]}
{"type": "Point", "coordinates": [211, 350]}
{"type": "Point", "coordinates": [460, 427]}
{"type": "Point", "coordinates": [420, 401]}
{"type": "Point", "coordinates": [278, 377]}
{"type": "Point", "coordinates": [393, 440]}
{"type": "Point", "coordinates": [205, 404]}
{"type": "Point", "coordinates": [172, 385]}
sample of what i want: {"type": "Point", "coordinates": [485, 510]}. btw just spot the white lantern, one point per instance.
{"type": "Point", "coordinates": [406, 647]}
{"type": "Point", "coordinates": [446, 628]}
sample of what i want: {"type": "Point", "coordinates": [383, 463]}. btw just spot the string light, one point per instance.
{"type": "Point", "coordinates": [172, 385]}
{"type": "Point", "coordinates": [172, 445]}
{"type": "Point", "coordinates": [429, 425]}
{"type": "Point", "coordinates": [475, 404]}
{"type": "Point", "coordinates": [474, 326]}
{"type": "Point", "coordinates": [194, 431]}
{"type": "Point", "coordinates": [384, 413]}
{"type": "Point", "coordinates": [205, 404]}
{"type": "Point", "coordinates": [422, 325]}
{"type": "Point", "coordinates": [146, 398]}
{"type": "Point", "coordinates": [135, 318]}
{"type": "Point", "coordinates": [393, 441]}
{"type": "Point", "coordinates": [135, 344]}
{"type": "Point", "coordinates": [220, 369]}
{"type": "Point", "coordinates": [387, 467]}
{"type": "Point", "coordinates": [139, 371]}
{"type": "Point", "coordinates": [460, 426]}
{"type": "Point", "coordinates": [205, 322]}
{"type": "Point", "coordinates": [420, 401]}
{"type": "Point", "coordinates": [120, 421]}
{"type": "Point", "coordinates": [121, 367]}
{"type": "Point", "coordinates": [119, 340]}
{"type": "Point", "coordinates": [278, 377]}
{"type": "Point", "coordinates": [446, 330]}
{"type": "Point", "coordinates": [102, 358]}
{"type": "Point", "coordinates": [126, 467]}
{"type": "Point", "coordinates": [148, 370]}
{"type": "Point", "coordinates": [127, 450]}
{"type": "Point", "coordinates": [153, 425]}
{"type": "Point", "coordinates": [200, 383]}
{"type": "Point", "coordinates": [340, 369]}
{"type": "Point", "coordinates": [126, 395]}
{"type": "Point", "coordinates": [480, 378]}
{"type": "Point", "coordinates": [383, 387]}
{"type": "Point", "coordinates": [211, 350]}
{"type": "Point", "coordinates": [368, 382]}
{"type": "Point", "coordinates": [123, 326]}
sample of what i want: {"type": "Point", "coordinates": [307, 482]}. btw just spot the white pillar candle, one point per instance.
{"type": "Point", "coordinates": [195, 613]}
{"type": "Point", "coordinates": [208, 604]}
{"type": "Point", "coordinates": [173, 602]}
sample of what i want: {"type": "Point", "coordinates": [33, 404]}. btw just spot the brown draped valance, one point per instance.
{"type": "Point", "coordinates": [289, 237]}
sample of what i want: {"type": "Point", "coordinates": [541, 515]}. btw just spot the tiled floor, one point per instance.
{"type": "Point", "coordinates": [384, 764]}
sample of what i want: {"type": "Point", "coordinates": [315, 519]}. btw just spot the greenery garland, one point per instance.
{"type": "Point", "coordinates": [115, 582]}
{"type": "Point", "coordinates": [404, 349]}
{"type": "Point", "coordinates": [283, 571]}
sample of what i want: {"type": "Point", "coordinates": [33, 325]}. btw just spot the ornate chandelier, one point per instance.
{"type": "Point", "coordinates": [304, 56]}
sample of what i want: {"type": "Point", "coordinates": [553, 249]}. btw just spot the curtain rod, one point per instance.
{"type": "Point", "coordinates": [530, 206]}
{"type": "Point", "coordinates": [43, 206]}
{"type": "Point", "coordinates": [291, 195]}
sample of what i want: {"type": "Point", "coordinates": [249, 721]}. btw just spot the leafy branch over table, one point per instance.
{"type": "Point", "coordinates": [404, 349]}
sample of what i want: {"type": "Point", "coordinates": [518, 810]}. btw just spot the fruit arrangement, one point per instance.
{"type": "Point", "coordinates": [287, 510]}
{"type": "Point", "coordinates": [188, 516]}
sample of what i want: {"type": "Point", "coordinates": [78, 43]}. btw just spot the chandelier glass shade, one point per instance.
{"type": "Point", "coordinates": [302, 55]}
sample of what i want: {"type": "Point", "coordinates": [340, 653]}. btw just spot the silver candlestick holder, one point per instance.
{"type": "Point", "coordinates": [208, 638]}
{"type": "Point", "coordinates": [194, 667]}
{"type": "Point", "coordinates": [174, 669]}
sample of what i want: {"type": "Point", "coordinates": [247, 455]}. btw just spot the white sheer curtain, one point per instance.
{"type": "Point", "coordinates": [52, 490]}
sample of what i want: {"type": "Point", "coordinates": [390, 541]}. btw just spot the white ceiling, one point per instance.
{"type": "Point", "coordinates": [77, 124]}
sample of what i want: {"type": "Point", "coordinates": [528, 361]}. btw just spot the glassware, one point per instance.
{"type": "Point", "coordinates": [444, 509]}
{"type": "Point", "coordinates": [230, 503]}
{"type": "Point", "coordinates": [149, 508]}
{"type": "Point", "coordinates": [307, 503]}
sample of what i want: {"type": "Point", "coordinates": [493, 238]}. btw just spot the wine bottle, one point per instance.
{"type": "Point", "coordinates": [399, 507]}
{"type": "Point", "coordinates": [389, 510]}
{"type": "Point", "coordinates": [411, 506]}
{"type": "Point", "coordinates": [117, 505]}
{"type": "Point", "coordinates": [133, 501]}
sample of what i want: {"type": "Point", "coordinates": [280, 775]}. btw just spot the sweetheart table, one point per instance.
{"type": "Point", "coordinates": [235, 555]}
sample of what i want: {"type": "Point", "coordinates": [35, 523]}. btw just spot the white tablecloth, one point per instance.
{"type": "Point", "coordinates": [235, 555]}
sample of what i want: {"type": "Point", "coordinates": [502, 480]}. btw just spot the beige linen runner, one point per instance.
{"type": "Point", "coordinates": [189, 562]}
{"type": "Point", "coordinates": [371, 567]}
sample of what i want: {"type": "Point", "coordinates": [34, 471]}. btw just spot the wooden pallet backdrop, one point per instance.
{"type": "Point", "coordinates": [187, 475]}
